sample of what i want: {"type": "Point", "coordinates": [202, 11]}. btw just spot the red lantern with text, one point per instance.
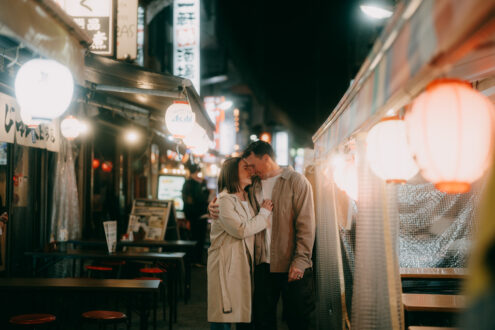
{"type": "Point", "coordinates": [450, 129]}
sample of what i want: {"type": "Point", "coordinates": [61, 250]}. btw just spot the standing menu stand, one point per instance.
{"type": "Point", "coordinates": [155, 217]}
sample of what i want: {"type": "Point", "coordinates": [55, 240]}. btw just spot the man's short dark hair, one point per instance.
{"type": "Point", "coordinates": [229, 176]}
{"type": "Point", "coordinates": [259, 149]}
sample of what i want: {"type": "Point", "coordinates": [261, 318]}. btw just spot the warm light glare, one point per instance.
{"type": "Point", "coordinates": [346, 178]}
{"type": "Point", "coordinates": [131, 136]}
{"type": "Point", "coordinates": [388, 152]}
{"type": "Point", "coordinates": [450, 130]}
{"type": "Point", "coordinates": [376, 12]}
{"type": "Point", "coordinates": [43, 90]}
{"type": "Point", "coordinates": [266, 137]}
{"type": "Point", "coordinates": [70, 127]}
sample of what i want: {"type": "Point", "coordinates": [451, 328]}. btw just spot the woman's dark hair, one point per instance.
{"type": "Point", "coordinates": [229, 176]}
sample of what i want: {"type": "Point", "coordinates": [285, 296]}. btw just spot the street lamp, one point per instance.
{"type": "Point", "coordinates": [376, 11]}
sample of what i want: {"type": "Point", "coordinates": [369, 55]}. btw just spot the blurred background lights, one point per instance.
{"type": "Point", "coordinates": [131, 136]}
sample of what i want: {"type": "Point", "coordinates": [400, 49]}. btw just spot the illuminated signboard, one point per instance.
{"type": "Point", "coordinates": [186, 41]}
{"type": "Point", "coordinates": [96, 18]}
{"type": "Point", "coordinates": [170, 187]}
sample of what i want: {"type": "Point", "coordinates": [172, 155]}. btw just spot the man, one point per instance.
{"type": "Point", "coordinates": [195, 196]}
{"type": "Point", "coordinates": [283, 251]}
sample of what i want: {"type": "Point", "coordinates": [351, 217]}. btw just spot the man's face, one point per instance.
{"type": "Point", "coordinates": [257, 165]}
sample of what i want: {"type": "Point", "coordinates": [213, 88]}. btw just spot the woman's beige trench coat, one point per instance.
{"type": "Point", "coordinates": [230, 259]}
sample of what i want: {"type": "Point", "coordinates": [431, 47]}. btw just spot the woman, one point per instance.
{"type": "Point", "coordinates": [230, 257]}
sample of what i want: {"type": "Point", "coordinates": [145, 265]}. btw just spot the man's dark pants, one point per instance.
{"type": "Point", "coordinates": [298, 299]}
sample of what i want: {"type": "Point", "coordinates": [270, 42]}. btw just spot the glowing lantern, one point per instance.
{"type": "Point", "coordinates": [450, 128]}
{"type": "Point", "coordinates": [197, 140]}
{"type": "Point", "coordinates": [388, 152]}
{"type": "Point", "coordinates": [96, 163]}
{"type": "Point", "coordinates": [179, 119]}
{"type": "Point", "coordinates": [345, 177]}
{"type": "Point", "coordinates": [43, 90]}
{"type": "Point", "coordinates": [70, 127]}
{"type": "Point", "coordinates": [107, 167]}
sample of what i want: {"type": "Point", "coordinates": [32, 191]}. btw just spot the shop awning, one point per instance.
{"type": "Point", "coordinates": [425, 39]}
{"type": "Point", "coordinates": [144, 88]}
{"type": "Point", "coordinates": [46, 29]}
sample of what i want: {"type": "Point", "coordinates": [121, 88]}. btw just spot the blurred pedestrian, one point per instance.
{"type": "Point", "coordinates": [195, 196]}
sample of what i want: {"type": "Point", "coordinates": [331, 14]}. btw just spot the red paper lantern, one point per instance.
{"type": "Point", "coordinates": [451, 133]}
{"type": "Point", "coordinates": [107, 167]}
{"type": "Point", "coordinates": [96, 163]}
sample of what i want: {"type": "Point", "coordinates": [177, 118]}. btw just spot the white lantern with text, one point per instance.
{"type": "Point", "coordinates": [179, 119]}
{"type": "Point", "coordinates": [70, 127]}
{"type": "Point", "coordinates": [450, 129]}
{"type": "Point", "coordinates": [43, 90]}
{"type": "Point", "coordinates": [388, 152]}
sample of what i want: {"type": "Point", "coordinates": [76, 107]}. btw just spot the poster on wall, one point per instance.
{"type": "Point", "coordinates": [149, 218]}
{"type": "Point", "coordinates": [96, 18]}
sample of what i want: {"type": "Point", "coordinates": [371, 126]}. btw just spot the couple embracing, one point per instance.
{"type": "Point", "coordinates": [262, 238]}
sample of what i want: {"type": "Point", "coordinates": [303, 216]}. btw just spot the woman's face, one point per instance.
{"type": "Point", "coordinates": [244, 174]}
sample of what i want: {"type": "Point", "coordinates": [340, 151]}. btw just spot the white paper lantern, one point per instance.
{"type": "Point", "coordinates": [43, 90]}
{"type": "Point", "coordinates": [346, 178]}
{"type": "Point", "coordinates": [450, 129]}
{"type": "Point", "coordinates": [197, 140]}
{"type": "Point", "coordinates": [388, 152]}
{"type": "Point", "coordinates": [179, 119]}
{"type": "Point", "coordinates": [70, 127]}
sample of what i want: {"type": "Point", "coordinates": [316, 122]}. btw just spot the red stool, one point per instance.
{"type": "Point", "coordinates": [33, 321]}
{"type": "Point", "coordinates": [153, 271]}
{"type": "Point", "coordinates": [102, 271]}
{"type": "Point", "coordinates": [115, 263]}
{"type": "Point", "coordinates": [104, 318]}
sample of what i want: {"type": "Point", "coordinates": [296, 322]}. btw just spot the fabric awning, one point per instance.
{"type": "Point", "coordinates": [144, 88]}
{"type": "Point", "coordinates": [424, 39]}
{"type": "Point", "coordinates": [46, 29]}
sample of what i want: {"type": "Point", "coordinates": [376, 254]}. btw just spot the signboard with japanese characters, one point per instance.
{"type": "Point", "coordinates": [45, 136]}
{"type": "Point", "coordinates": [96, 17]}
{"type": "Point", "coordinates": [186, 40]}
{"type": "Point", "coordinates": [127, 15]}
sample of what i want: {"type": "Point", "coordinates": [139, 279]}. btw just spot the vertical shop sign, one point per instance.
{"type": "Point", "coordinates": [127, 15]}
{"type": "Point", "coordinates": [186, 41]}
{"type": "Point", "coordinates": [96, 18]}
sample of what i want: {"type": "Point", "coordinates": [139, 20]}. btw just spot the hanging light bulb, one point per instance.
{"type": "Point", "coordinates": [179, 119]}
{"type": "Point", "coordinates": [70, 127]}
{"type": "Point", "coordinates": [388, 152]}
{"type": "Point", "coordinates": [450, 128]}
{"type": "Point", "coordinates": [43, 90]}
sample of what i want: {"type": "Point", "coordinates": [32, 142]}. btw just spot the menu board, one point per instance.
{"type": "Point", "coordinates": [170, 188]}
{"type": "Point", "coordinates": [151, 218]}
